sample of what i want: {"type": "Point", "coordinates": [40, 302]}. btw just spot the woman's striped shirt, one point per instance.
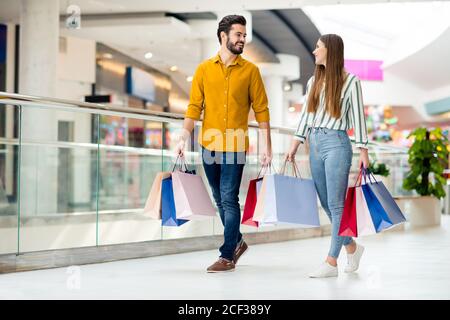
{"type": "Point", "coordinates": [352, 113]}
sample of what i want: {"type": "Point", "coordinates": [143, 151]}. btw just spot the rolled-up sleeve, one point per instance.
{"type": "Point", "coordinates": [302, 128]}
{"type": "Point", "coordinates": [258, 97]}
{"type": "Point", "coordinates": [358, 117]}
{"type": "Point", "coordinates": [196, 100]}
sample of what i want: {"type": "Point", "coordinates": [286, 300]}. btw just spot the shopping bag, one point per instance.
{"type": "Point", "coordinates": [296, 198]}
{"type": "Point", "coordinates": [379, 217]}
{"type": "Point", "coordinates": [153, 204]}
{"type": "Point", "coordinates": [168, 213]}
{"type": "Point", "coordinates": [265, 209]}
{"type": "Point", "coordinates": [250, 204]}
{"type": "Point", "coordinates": [296, 201]}
{"type": "Point", "coordinates": [348, 226]}
{"type": "Point", "coordinates": [252, 195]}
{"type": "Point", "coordinates": [387, 202]}
{"type": "Point", "coordinates": [192, 200]}
{"type": "Point", "coordinates": [363, 218]}
{"type": "Point", "coordinates": [266, 221]}
{"type": "Point", "coordinates": [288, 199]}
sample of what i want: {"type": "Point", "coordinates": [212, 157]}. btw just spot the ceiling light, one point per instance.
{"type": "Point", "coordinates": [189, 79]}
{"type": "Point", "coordinates": [173, 68]}
{"type": "Point", "coordinates": [291, 109]}
{"type": "Point", "coordinates": [148, 55]}
{"type": "Point", "coordinates": [107, 55]}
{"type": "Point", "coordinates": [287, 86]}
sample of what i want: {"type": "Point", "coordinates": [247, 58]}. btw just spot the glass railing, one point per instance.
{"type": "Point", "coordinates": [79, 174]}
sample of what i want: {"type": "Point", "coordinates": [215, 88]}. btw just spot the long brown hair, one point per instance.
{"type": "Point", "coordinates": [332, 75]}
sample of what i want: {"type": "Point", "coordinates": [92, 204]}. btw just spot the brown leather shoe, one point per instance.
{"type": "Point", "coordinates": [240, 249]}
{"type": "Point", "coordinates": [221, 265]}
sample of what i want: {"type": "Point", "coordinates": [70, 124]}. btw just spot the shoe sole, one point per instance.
{"type": "Point", "coordinates": [332, 276]}
{"type": "Point", "coordinates": [231, 270]}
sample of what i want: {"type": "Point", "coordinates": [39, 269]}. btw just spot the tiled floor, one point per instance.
{"type": "Point", "coordinates": [412, 264]}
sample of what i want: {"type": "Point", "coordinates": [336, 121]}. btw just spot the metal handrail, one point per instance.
{"type": "Point", "coordinates": [20, 99]}
{"type": "Point", "coordinates": [111, 109]}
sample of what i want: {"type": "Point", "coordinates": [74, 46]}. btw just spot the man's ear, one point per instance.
{"type": "Point", "coordinates": [223, 35]}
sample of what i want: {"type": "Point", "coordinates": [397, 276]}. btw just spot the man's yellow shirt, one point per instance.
{"type": "Point", "coordinates": [225, 96]}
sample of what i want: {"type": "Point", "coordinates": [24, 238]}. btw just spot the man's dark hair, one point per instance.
{"type": "Point", "coordinates": [226, 23]}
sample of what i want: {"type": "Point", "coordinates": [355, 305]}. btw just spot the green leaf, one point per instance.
{"type": "Point", "coordinates": [427, 157]}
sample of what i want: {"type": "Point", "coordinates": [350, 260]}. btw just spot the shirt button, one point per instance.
{"type": "Point", "coordinates": [224, 119]}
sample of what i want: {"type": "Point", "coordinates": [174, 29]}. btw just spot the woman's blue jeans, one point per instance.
{"type": "Point", "coordinates": [330, 160]}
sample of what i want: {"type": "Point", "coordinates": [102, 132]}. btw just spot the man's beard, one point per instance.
{"type": "Point", "coordinates": [235, 49]}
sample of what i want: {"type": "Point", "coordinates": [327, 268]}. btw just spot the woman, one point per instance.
{"type": "Point", "coordinates": [333, 105]}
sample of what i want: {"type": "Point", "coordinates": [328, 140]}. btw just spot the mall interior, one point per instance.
{"type": "Point", "coordinates": [93, 94]}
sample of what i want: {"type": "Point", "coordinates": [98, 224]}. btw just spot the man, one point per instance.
{"type": "Point", "coordinates": [224, 88]}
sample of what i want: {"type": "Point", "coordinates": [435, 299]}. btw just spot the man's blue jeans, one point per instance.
{"type": "Point", "coordinates": [224, 173]}
{"type": "Point", "coordinates": [330, 158]}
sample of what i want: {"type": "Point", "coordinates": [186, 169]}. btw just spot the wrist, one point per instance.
{"type": "Point", "coordinates": [294, 148]}
{"type": "Point", "coordinates": [183, 135]}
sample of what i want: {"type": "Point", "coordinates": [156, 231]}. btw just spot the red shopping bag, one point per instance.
{"type": "Point", "coordinates": [250, 204]}
{"type": "Point", "coordinates": [348, 225]}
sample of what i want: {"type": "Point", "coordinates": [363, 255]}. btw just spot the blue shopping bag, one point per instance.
{"type": "Point", "coordinates": [296, 201]}
{"type": "Point", "coordinates": [387, 202]}
{"type": "Point", "coordinates": [168, 213]}
{"type": "Point", "coordinates": [379, 216]}
{"type": "Point", "coordinates": [289, 199]}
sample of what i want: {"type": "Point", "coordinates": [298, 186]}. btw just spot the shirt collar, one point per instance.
{"type": "Point", "coordinates": [239, 60]}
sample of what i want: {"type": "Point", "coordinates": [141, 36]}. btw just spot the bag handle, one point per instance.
{"type": "Point", "coordinates": [295, 169]}
{"type": "Point", "coordinates": [359, 178]}
{"type": "Point", "coordinates": [269, 167]}
{"type": "Point", "coordinates": [370, 174]}
{"type": "Point", "coordinates": [263, 171]}
{"type": "Point", "coordinates": [180, 165]}
{"type": "Point", "coordinates": [363, 173]}
{"type": "Point", "coordinates": [294, 164]}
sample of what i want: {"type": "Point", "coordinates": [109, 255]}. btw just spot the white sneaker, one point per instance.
{"type": "Point", "coordinates": [353, 259]}
{"type": "Point", "coordinates": [325, 270]}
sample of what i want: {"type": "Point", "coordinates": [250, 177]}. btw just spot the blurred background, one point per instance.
{"type": "Point", "coordinates": [76, 172]}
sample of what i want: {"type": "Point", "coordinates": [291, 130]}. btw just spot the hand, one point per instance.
{"type": "Point", "coordinates": [364, 159]}
{"type": "Point", "coordinates": [290, 155]}
{"type": "Point", "coordinates": [266, 158]}
{"type": "Point", "coordinates": [265, 144]}
{"type": "Point", "coordinates": [183, 136]}
{"type": "Point", "coordinates": [179, 149]}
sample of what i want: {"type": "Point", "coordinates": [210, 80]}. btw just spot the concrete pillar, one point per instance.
{"type": "Point", "coordinates": [274, 75]}
{"type": "Point", "coordinates": [10, 63]}
{"type": "Point", "coordinates": [295, 95]}
{"type": "Point", "coordinates": [39, 37]}
{"type": "Point", "coordinates": [210, 47]}
{"type": "Point", "coordinates": [274, 91]}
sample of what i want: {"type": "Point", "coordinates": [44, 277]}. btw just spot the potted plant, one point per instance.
{"type": "Point", "coordinates": [427, 157]}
